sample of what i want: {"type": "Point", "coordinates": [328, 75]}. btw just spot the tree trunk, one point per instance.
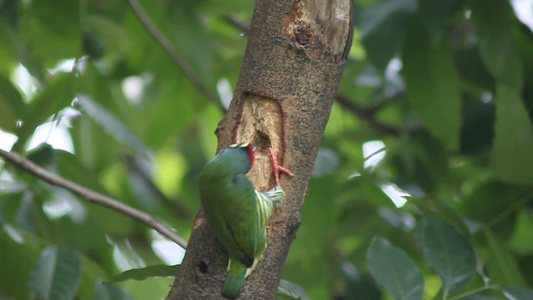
{"type": "Point", "coordinates": [293, 63]}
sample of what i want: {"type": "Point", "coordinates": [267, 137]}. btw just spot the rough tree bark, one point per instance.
{"type": "Point", "coordinates": [293, 63]}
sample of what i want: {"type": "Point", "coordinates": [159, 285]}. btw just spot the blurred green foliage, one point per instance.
{"type": "Point", "coordinates": [445, 86]}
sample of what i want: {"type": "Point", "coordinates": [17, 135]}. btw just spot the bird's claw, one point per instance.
{"type": "Point", "coordinates": [277, 168]}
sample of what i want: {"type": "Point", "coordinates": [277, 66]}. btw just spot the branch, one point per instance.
{"type": "Point", "coordinates": [367, 115]}
{"type": "Point", "coordinates": [92, 196]}
{"type": "Point", "coordinates": [383, 103]}
{"type": "Point", "coordinates": [169, 48]}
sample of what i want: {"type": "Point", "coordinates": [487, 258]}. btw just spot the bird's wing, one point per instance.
{"type": "Point", "coordinates": [231, 207]}
{"type": "Point", "coordinates": [248, 231]}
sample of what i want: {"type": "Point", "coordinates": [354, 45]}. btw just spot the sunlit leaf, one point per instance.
{"type": "Point", "coordinates": [395, 270]}
{"type": "Point", "coordinates": [47, 102]}
{"type": "Point", "coordinates": [448, 252]}
{"type": "Point", "coordinates": [56, 275]}
{"type": "Point", "coordinates": [292, 290]}
{"type": "Point", "coordinates": [517, 293]}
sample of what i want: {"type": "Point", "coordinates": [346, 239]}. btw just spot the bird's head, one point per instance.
{"type": "Point", "coordinates": [241, 155]}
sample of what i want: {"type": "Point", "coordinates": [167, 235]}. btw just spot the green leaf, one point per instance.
{"type": "Point", "coordinates": [69, 166]}
{"type": "Point", "coordinates": [144, 273]}
{"type": "Point", "coordinates": [441, 210]}
{"type": "Point", "coordinates": [61, 17]}
{"type": "Point", "coordinates": [43, 155]}
{"type": "Point", "coordinates": [448, 252]}
{"type": "Point", "coordinates": [501, 263]}
{"type": "Point", "coordinates": [477, 131]}
{"type": "Point", "coordinates": [436, 14]}
{"type": "Point", "coordinates": [493, 21]}
{"type": "Point", "coordinates": [291, 289]}
{"type": "Point", "coordinates": [475, 206]}
{"type": "Point", "coordinates": [382, 29]}
{"type": "Point", "coordinates": [511, 157]}
{"type": "Point", "coordinates": [394, 270]}
{"type": "Point", "coordinates": [51, 31]}
{"type": "Point", "coordinates": [520, 240]}
{"type": "Point", "coordinates": [56, 275]}
{"type": "Point", "coordinates": [397, 218]}
{"type": "Point", "coordinates": [433, 85]}
{"type": "Point", "coordinates": [112, 125]}
{"type": "Point", "coordinates": [359, 286]}
{"type": "Point", "coordinates": [110, 292]}
{"type": "Point", "coordinates": [12, 105]}
{"type": "Point", "coordinates": [164, 117]}
{"type": "Point", "coordinates": [9, 10]}
{"type": "Point", "coordinates": [190, 36]}
{"type": "Point", "coordinates": [92, 44]}
{"type": "Point", "coordinates": [17, 260]}
{"type": "Point", "coordinates": [517, 293]}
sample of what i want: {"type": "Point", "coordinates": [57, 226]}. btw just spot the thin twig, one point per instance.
{"type": "Point", "coordinates": [474, 291]}
{"type": "Point", "coordinates": [385, 102]}
{"type": "Point", "coordinates": [510, 209]}
{"type": "Point", "coordinates": [366, 115]}
{"type": "Point", "coordinates": [382, 149]}
{"type": "Point", "coordinates": [92, 196]}
{"type": "Point", "coordinates": [238, 23]}
{"type": "Point", "coordinates": [169, 48]}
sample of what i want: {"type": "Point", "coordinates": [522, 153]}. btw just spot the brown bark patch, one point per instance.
{"type": "Point", "coordinates": [261, 123]}
{"type": "Point", "coordinates": [319, 28]}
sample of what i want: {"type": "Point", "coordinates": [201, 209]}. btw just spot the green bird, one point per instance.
{"type": "Point", "coordinates": [237, 213]}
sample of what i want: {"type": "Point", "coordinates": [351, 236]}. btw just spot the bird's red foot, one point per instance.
{"type": "Point", "coordinates": [277, 168]}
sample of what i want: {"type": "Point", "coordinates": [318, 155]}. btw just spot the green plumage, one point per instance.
{"type": "Point", "coordinates": [237, 213]}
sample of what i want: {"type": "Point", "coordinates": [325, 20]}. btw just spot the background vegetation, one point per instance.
{"type": "Point", "coordinates": [436, 103]}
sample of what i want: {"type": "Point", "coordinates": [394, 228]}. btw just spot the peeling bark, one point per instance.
{"type": "Point", "coordinates": [291, 70]}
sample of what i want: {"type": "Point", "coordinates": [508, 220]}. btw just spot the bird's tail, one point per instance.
{"type": "Point", "coordinates": [233, 284]}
